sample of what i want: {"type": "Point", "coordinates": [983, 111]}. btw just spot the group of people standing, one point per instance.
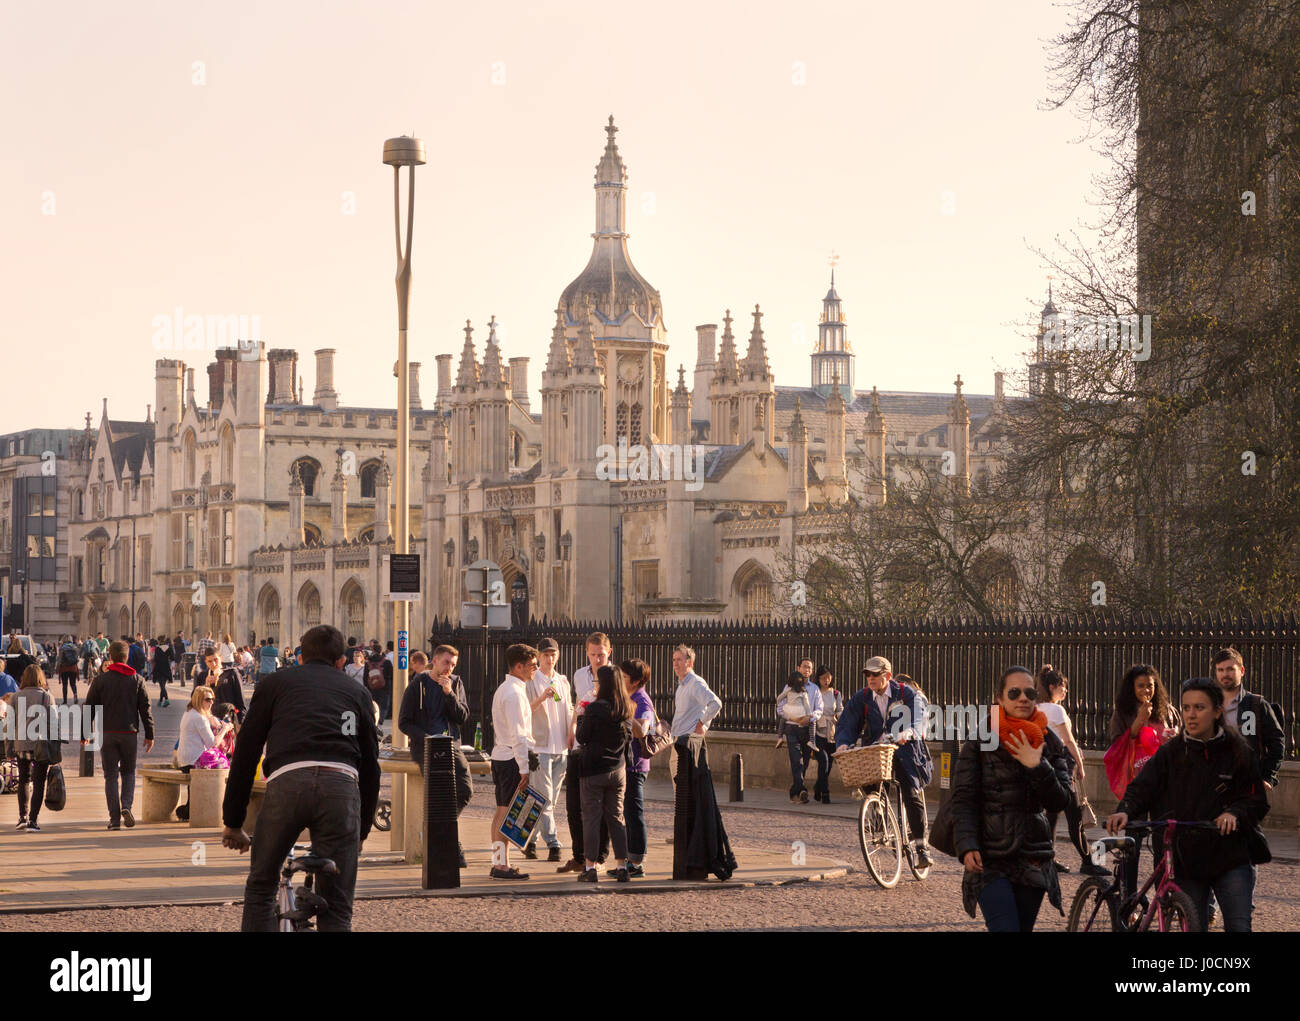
{"type": "Point", "coordinates": [592, 738]}
{"type": "Point", "coordinates": [1212, 762]}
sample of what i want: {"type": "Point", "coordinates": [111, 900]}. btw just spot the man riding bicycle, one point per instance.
{"type": "Point", "coordinates": [883, 707]}
{"type": "Point", "coordinates": [322, 774]}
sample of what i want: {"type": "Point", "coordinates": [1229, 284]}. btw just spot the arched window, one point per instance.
{"type": "Point", "coordinates": [124, 622]}
{"type": "Point", "coordinates": [996, 575]}
{"type": "Point", "coordinates": [188, 462]}
{"type": "Point", "coordinates": [753, 586]}
{"type": "Point", "coordinates": [635, 436]}
{"type": "Point", "coordinates": [308, 607]}
{"type": "Point", "coordinates": [78, 505]}
{"type": "Point", "coordinates": [268, 612]}
{"type": "Point", "coordinates": [311, 535]}
{"type": "Point", "coordinates": [620, 421]}
{"type": "Point", "coordinates": [227, 537]}
{"type": "Point", "coordinates": [353, 601]}
{"type": "Point", "coordinates": [369, 476]}
{"type": "Point", "coordinates": [309, 472]}
{"type": "Point", "coordinates": [227, 454]}
{"type": "Point", "coordinates": [178, 619]}
{"type": "Point", "coordinates": [144, 620]}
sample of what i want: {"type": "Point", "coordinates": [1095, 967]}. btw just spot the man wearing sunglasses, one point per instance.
{"type": "Point", "coordinates": [885, 705]}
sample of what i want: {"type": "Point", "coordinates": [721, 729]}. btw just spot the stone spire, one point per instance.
{"type": "Point", "coordinates": [874, 430]}
{"type": "Point", "coordinates": [796, 497]}
{"type": "Point", "coordinates": [339, 501]}
{"type": "Point", "coordinates": [295, 505]}
{"type": "Point", "coordinates": [493, 371]}
{"type": "Point", "coordinates": [584, 354]}
{"type": "Point", "coordinates": [756, 357]}
{"type": "Point", "coordinates": [681, 410]}
{"type": "Point", "coordinates": [468, 374]}
{"type": "Point", "coordinates": [727, 354]}
{"type": "Point", "coordinates": [557, 359]}
{"type": "Point", "coordinates": [610, 169]}
{"type": "Point", "coordinates": [836, 474]}
{"type": "Point", "coordinates": [959, 440]}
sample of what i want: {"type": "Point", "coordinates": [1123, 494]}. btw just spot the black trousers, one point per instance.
{"type": "Point", "coordinates": [31, 772]}
{"type": "Point", "coordinates": [573, 808]}
{"type": "Point", "coordinates": [1074, 821]}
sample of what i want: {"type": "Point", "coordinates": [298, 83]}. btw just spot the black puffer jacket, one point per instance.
{"type": "Point", "coordinates": [999, 807]}
{"type": "Point", "coordinates": [1197, 781]}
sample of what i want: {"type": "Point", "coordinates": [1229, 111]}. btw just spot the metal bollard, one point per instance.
{"type": "Point", "coordinates": [87, 762]}
{"type": "Point", "coordinates": [737, 778]}
{"type": "Point", "coordinates": [440, 869]}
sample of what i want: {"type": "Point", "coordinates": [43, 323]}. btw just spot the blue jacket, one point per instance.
{"type": "Point", "coordinates": [906, 708]}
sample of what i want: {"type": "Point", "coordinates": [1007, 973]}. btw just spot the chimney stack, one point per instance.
{"type": "Point", "coordinates": [325, 394]}
{"type": "Point", "coordinates": [519, 381]}
{"type": "Point", "coordinates": [282, 372]}
{"type": "Point", "coordinates": [214, 386]}
{"type": "Point", "coordinates": [189, 388]}
{"type": "Point", "coordinates": [413, 385]}
{"type": "Point", "coordinates": [444, 378]}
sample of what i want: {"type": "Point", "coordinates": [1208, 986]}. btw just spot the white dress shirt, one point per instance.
{"type": "Point", "coordinates": [512, 723]}
{"type": "Point", "coordinates": [694, 703]}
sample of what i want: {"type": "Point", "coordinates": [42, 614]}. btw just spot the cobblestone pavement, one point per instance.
{"type": "Point", "coordinates": [852, 903]}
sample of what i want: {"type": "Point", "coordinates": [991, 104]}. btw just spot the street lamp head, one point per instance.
{"type": "Point", "coordinates": [404, 151]}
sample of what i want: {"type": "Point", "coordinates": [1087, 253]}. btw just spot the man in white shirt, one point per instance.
{"type": "Point", "coordinates": [552, 706]}
{"type": "Point", "coordinates": [584, 690]}
{"type": "Point", "coordinates": [512, 740]}
{"type": "Point", "coordinates": [695, 705]}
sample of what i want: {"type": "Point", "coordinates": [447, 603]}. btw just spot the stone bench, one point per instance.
{"type": "Point", "coordinates": [162, 793]}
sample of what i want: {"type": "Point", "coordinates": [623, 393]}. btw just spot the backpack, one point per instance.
{"type": "Point", "coordinates": [68, 655]}
{"type": "Point", "coordinates": [375, 676]}
{"type": "Point", "coordinates": [56, 790]}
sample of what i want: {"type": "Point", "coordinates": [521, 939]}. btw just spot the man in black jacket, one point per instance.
{"type": "Point", "coordinates": [1251, 714]}
{"type": "Point", "coordinates": [226, 682]}
{"type": "Point", "coordinates": [120, 692]}
{"type": "Point", "coordinates": [322, 775]}
{"type": "Point", "coordinates": [435, 703]}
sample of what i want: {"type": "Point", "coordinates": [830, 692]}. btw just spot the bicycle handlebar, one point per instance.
{"type": "Point", "coordinates": [1151, 824]}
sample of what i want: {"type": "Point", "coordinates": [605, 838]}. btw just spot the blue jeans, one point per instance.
{"type": "Point", "coordinates": [634, 813]}
{"type": "Point", "coordinates": [1009, 907]}
{"type": "Point", "coordinates": [549, 781]}
{"type": "Point", "coordinates": [796, 743]}
{"type": "Point", "coordinates": [1235, 890]}
{"type": "Point", "coordinates": [327, 803]}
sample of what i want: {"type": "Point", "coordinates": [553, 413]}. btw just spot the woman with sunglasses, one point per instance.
{"type": "Point", "coordinates": [1206, 773]}
{"type": "Point", "coordinates": [198, 736]}
{"type": "Point", "coordinates": [1000, 800]}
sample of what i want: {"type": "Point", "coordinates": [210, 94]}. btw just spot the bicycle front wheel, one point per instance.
{"type": "Point", "coordinates": [882, 848]}
{"type": "Point", "coordinates": [1175, 912]}
{"type": "Point", "coordinates": [1093, 909]}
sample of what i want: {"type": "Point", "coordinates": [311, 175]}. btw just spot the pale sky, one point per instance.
{"type": "Point", "coordinates": [127, 189]}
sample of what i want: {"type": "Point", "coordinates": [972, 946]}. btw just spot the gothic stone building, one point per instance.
{"type": "Point", "coordinates": [262, 514]}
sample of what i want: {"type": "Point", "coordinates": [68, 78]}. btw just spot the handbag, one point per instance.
{"type": "Point", "coordinates": [943, 835]}
{"type": "Point", "coordinates": [56, 789]}
{"type": "Point", "coordinates": [50, 751]}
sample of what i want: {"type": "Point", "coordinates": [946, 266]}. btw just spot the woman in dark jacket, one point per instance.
{"type": "Point", "coordinates": [1000, 801]}
{"type": "Point", "coordinates": [604, 732]}
{"type": "Point", "coordinates": [1207, 772]}
{"type": "Point", "coordinates": [162, 668]}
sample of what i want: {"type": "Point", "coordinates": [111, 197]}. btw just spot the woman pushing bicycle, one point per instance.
{"type": "Point", "coordinates": [1000, 801]}
{"type": "Point", "coordinates": [1206, 773]}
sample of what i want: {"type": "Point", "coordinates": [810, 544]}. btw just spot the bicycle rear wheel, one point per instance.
{"type": "Point", "coordinates": [882, 847]}
{"type": "Point", "coordinates": [1093, 909]}
{"type": "Point", "coordinates": [284, 904]}
{"type": "Point", "coordinates": [1175, 912]}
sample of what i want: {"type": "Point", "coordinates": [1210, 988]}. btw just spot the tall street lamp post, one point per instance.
{"type": "Point", "coordinates": [403, 151]}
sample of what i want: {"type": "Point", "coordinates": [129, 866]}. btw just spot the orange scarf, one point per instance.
{"type": "Point", "coordinates": [1004, 726]}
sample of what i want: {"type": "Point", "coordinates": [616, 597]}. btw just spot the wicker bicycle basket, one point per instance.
{"type": "Point", "coordinates": [861, 766]}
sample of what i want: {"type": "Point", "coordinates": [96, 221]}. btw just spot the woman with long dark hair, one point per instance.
{"type": "Point", "coordinates": [1000, 801]}
{"type": "Point", "coordinates": [824, 731]}
{"type": "Point", "coordinates": [636, 675]}
{"type": "Point", "coordinates": [604, 731]}
{"type": "Point", "coordinates": [1206, 773]}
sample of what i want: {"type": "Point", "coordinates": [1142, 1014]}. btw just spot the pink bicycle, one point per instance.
{"type": "Point", "coordinates": [1168, 907]}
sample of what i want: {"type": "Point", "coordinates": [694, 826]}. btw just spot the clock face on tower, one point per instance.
{"type": "Point", "coordinates": [629, 370]}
